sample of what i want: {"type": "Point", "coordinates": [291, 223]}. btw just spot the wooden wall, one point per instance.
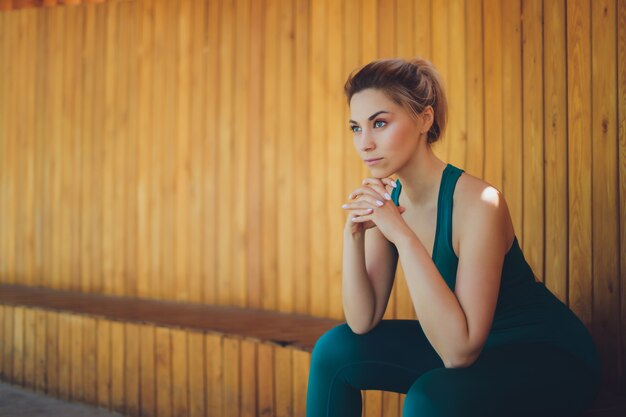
{"type": "Point", "coordinates": [141, 369]}
{"type": "Point", "coordinates": [199, 150]}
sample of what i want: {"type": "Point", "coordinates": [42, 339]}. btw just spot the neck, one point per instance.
{"type": "Point", "coordinates": [421, 177]}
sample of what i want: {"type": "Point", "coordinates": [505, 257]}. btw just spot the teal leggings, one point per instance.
{"type": "Point", "coordinates": [512, 380]}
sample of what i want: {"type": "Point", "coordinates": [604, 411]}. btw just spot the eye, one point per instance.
{"type": "Point", "coordinates": [355, 128]}
{"type": "Point", "coordinates": [379, 123]}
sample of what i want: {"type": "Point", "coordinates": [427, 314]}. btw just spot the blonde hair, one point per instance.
{"type": "Point", "coordinates": [414, 84]}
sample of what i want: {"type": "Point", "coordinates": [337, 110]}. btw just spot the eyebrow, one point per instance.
{"type": "Point", "coordinates": [373, 115]}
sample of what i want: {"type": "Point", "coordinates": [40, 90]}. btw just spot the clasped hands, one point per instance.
{"type": "Point", "coordinates": [370, 206]}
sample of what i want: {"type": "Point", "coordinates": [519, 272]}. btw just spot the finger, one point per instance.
{"type": "Point", "coordinates": [379, 185]}
{"type": "Point", "coordinates": [366, 191]}
{"type": "Point", "coordinates": [364, 202]}
{"type": "Point", "coordinates": [361, 219]}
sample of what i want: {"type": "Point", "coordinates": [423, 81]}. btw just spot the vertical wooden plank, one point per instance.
{"type": "Point", "coordinates": [372, 403]}
{"type": "Point", "coordinates": [40, 349]}
{"type": "Point", "coordinates": [225, 264]}
{"type": "Point", "coordinates": [301, 365]}
{"type": "Point", "coordinates": [533, 239]}
{"type": "Point", "coordinates": [145, 146]}
{"type": "Point", "coordinates": [2, 315]}
{"type": "Point", "coordinates": [27, 114]}
{"type": "Point", "coordinates": [249, 379]}
{"type": "Point", "coordinates": [285, 145]}
{"type": "Point", "coordinates": [283, 381]}
{"type": "Point", "coordinates": [109, 212]}
{"type": "Point", "coordinates": [210, 155]}
{"type": "Point", "coordinates": [301, 161]}
{"type": "Point", "coordinates": [7, 345]}
{"type": "Point", "coordinates": [87, 32]}
{"type": "Point", "coordinates": [232, 376]}
{"type": "Point", "coordinates": [183, 146]}
{"type": "Point", "coordinates": [90, 360]}
{"type": "Point", "coordinates": [163, 354]}
{"type": "Point", "coordinates": [335, 159]}
{"type": "Point", "coordinates": [52, 353]}
{"type": "Point", "coordinates": [104, 362]}
{"type": "Point", "coordinates": [579, 158]}
{"type": "Point", "coordinates": [168, 147]}
{"type": "Point", "coordinates": [197, 134]}
{"type": "Point", "coordinates": [197, 367]}
{"type": "Point", "coordinates": [29, 347]}
{"type": "Point", "coordinates": [75, 140]}
{"type": "Point", "coordinates": [180, 373]}
{"type": "Point", "coordinates": [492, 21]}
{"type": "Point", "coordinates": [254, 171]}
{"type": "Point", "coordinates": [156, 171]}
{"type": "Point", "coordinates": [621, 108]}
{"type": "Point", "coordinates": [128, 150]}
{"type": "Point", "coordinates": [457, 85]}
{"type": "Point", "coordinates": [18, 345]}
{"type": "Point", "coordinates": [148, 371]}
{"type": "Point", "coordinates": [555, 131]}
{"type": "Point", "coordinates": [440, 24]}
{"type": "Point", "coordinates": [76, 358]}
{"type": "Point", "coordinates": [96, 281]}
{"type": "Point", "coordinates": [65, 355]}
{"type": "Point", "coordinates": [475, 103]}
{"type": "Point", "coordinates": [214, 375]}
{"type": "Point", "coordinates": [269, 207]}
{"type": "Point", "coordinates": [240, 151]}
{"type": "Point", "coordinates": [131, 368]}
{"type": "Point", "coordinates": [10, 163]}
{"type": "Point", "coordinates": [390, 406]}
{"type": "Point", "coordinates": [318, 172]}
{"type": "Point", "coordinates": [55, 69]}
{"type": "Point", "coordinates": [118, 399]}
{"type": "Point", "coordinates": [605, 212]}
{"type": "Point", "coordinates": [265, 375]}
{"type": "Point", "coordinates": [512, 101]}
{"type": "Point", "coordinates": [4, 174]}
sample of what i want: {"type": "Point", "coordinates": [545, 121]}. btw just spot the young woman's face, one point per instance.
{"type": "Point", "coordinates": [385, 135]}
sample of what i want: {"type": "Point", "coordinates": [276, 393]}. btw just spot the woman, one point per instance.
{"type": "Point", "coordinates": [489, 340]}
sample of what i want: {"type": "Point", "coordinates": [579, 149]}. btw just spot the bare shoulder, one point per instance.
{"type": "Point", "coordinates": [474, 198]}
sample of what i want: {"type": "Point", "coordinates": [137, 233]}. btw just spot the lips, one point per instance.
{"type": "Point", "coordinates": [373, 161]}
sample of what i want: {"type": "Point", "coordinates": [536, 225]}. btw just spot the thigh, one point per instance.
{"type": "Point", "coordinates": [389, 357]}
{"type": "Point", "coordinates": [516, 380]}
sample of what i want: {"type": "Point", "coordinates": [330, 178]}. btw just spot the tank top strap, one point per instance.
{"type": "Point", "coordinates": [443, 238]}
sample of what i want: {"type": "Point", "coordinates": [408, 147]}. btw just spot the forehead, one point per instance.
{"type": "Point", "coordinates": [367, 102]}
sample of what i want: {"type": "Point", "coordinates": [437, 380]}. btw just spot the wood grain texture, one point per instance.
{"type": "Point", "coordinates": [512, 117]}
{"type": "Point", "coordinates": [532, 239]}
{"type": "Point", "coordinates": [579, 158]}
{"type": "Point", "coordinates": [555, 140]}
{"type": "Point", "coordinates": [604, 187]}
{"type": "Point", "coordinates": [621, 109]}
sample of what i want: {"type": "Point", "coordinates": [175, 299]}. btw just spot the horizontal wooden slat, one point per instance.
{"type": "Point", "coordinates": [298, 331]}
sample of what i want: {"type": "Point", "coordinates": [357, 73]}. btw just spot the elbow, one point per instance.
{"type": "Point", "coordinates": [460, 361]}
{"type": "Point", "coordinates": [356, 329]}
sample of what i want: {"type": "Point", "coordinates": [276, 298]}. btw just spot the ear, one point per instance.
{"type": "Point", "coordinates": [428, 117]}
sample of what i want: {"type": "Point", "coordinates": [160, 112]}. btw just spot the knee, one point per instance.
{"type": "Point", "coordinates": [426, 397]}
{"type": "Point", "coordinates": [334, 348]}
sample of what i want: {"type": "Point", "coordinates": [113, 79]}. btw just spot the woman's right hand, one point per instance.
{"type": "Point", "coordinates": [363, 201]}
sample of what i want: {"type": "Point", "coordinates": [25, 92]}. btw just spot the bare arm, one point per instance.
{"type": "Point", "coordinates": [457, 323]}
{"type": "Point", "coordinates": [369, 266]}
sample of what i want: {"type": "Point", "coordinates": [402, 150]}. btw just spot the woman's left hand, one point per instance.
{"type": "Point", "coordinates": [388, 217]}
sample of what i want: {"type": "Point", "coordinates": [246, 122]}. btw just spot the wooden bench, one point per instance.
{"type": "Point", "coordinates": [177, 358]}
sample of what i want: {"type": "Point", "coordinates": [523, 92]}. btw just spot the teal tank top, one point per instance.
{"type": "Point", "coordinates": [526, 311]}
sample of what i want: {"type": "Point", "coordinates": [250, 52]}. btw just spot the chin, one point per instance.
{"type": "Point", "coordinates": [380, 172]}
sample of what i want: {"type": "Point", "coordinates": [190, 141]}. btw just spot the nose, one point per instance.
{"type": "Point", "coordinates": [366, 141]}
